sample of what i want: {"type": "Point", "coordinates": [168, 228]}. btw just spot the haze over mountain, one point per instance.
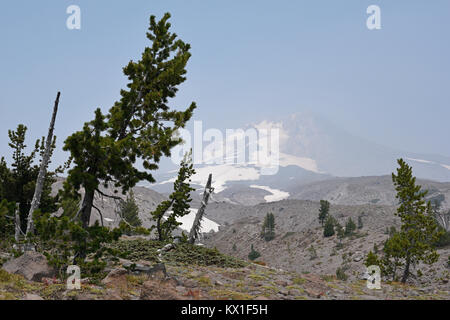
{"type": "Point", "coordinates": [311, 149]}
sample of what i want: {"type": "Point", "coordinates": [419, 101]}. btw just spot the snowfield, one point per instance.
{"type": "Point", "coordinates": [277, 195]}
{"type": "Point", "coordinates": [206, 225]}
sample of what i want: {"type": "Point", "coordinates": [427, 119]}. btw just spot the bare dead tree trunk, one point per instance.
{"type": "Point", "coordinates": [18, 231]}
{"type": "Point", "coordinates": [195, 230]}
{"type": "Point", "coordinates": [406, 271]}
{"type": "Point", "coordinates": [444, 220]}
{"type": "Point", "coordinates": [43, 169]}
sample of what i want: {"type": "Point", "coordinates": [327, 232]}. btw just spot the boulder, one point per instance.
{"type": "Point", "coordinates": [116, 277]}
{"type": "Point", "coordinates": [364, 275]}
{"type": "Point", "coordinates": [31, 265]}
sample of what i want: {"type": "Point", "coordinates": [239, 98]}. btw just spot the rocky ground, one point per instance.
{"type": "Point", "coordinates": [192, 273]}
{"type": "Point", "coordinates": [299, 245]}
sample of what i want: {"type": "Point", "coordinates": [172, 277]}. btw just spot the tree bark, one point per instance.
{"type": "Point", "coordinates": [195, 230]}
{"type": "Point", "coordinates": [43, 169]}
{"type": "Point", "coordinates": [86, 208]}
{"type": "Point", "coordinates": [406, 271]}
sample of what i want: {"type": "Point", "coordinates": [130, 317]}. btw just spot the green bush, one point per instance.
{"type": "Point", "coordinates": [253, 255]}
{"type": "Point", "coordinates": [65, 242]}
{"type": "Point", "coordinates": [312, 253]}
{"type": "Point", "coordinates": [340, 274]}
{"type": "Point", "coordinates": [184, 254]}
{"type": "Point", "coordinates": [6, 223]}
{"type": "Point", "coordinates": [268, 229]}
{"type": "Point", "coordinates": [371, 260]}
{"type": "Point", "coordinates": [328, 229]}
{"type": "Point", "coordinates": [350, 227]}
{"type": "Point", "coordinates": [444, 239]}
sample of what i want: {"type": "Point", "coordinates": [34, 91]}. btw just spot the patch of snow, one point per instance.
{"type": "Point", "coordinates": [206, 226]}
{"type": "Point", "coordinates": [223, 174]}
{"type": "Point", "coordinates": [276, 195]}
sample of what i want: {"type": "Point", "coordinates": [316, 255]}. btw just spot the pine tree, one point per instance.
{"type": "Point", "coordinates": [350, 227]}
{"type": "Point", "coordinates": [129, 211]}
{"type": "Point", "coordinates": [140, 127]}
{"type": "Point", "coordinates": [414, 242]}
{"type": "Point", "coordinates": [17, 184]}
{"type": "Point", "coordinates": [371, 260]}
{"type": "Point", "coordinates": [268, 229]}
{"type": "Point", "coordinates": [340, 232]}
{"type": "Point", "coordinates": [179, 201]}
{"type": "Point", "coordinates": [253, 255]}
{"type": "Point", "coordinates": [6, 223]}
{"type": "Point", "coordinates": [323, 211]}
{"type": "Point", "coordinates": [328, 230]}
{"type": "Point", "coordinates": [70, 207]}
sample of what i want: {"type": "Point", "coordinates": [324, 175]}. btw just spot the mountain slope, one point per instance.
{"type": "Point", "coordinates": [311, 149]}
{"type": "Point", "coordinates": [364, 190]}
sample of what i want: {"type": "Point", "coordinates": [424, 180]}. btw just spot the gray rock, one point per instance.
{"type": "Point", "coordinates": [364, 276]}
{"type": "Point", "coordinates": [31, 265]}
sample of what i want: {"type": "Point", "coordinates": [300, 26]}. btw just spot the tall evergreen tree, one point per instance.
{"type": "Point", "coordinates": [323, 211]}
{"type": "Point", "coordinates": [6, 221]}
{"type": "Point", "coordinates": [414, 242]}
{"type": "Point", "coordinates": [179, 201]}
{"type": "Point", "coordinates": [268, 229]}
{"type": "Point", "coordinates": [328, 229]}
{"type": "Point", "coordinates": [17, 183]}
{"type": "Point", "coordinates": [350, 227]}
{"type": "Point", "coordinates": [129, 211]}
{"type": "Point", "coordinates": [139, 127]}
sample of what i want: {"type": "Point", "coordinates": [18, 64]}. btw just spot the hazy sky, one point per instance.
{"type": "Point", "coordinates": [252, 60]}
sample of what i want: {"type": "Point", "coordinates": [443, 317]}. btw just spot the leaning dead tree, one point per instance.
{"type": "Point", "coordinates": [443, 219]}
{"type": "Point", "coordinates": [18, 231]}
{"type": "Point", "coordinates": [43, 169]}
{"type": "Point", "coordinates": [195, 230]}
